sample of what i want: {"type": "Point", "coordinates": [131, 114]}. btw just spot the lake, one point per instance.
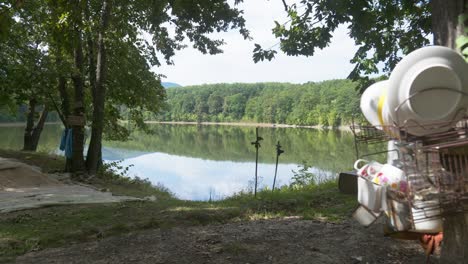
{"type": "Point", "coordinates": [213, 162]}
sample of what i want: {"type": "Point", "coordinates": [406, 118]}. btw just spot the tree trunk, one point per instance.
{"type": "Point", "coordinates": [446, 28]}
{"type": "Point", "coordinates": [78, 82]}
{"type": "Point", "coordinates": [36, 133]}
{"type": "Point", "coordinates": [65, 109]}
{"type": "Point", "coordinates": [29, 125]}
{"type": "Point", "coordinates": [445, 21]}
{"type": "Point", "coordinates": [94, 157]}
{"type": "Point", "coordinates": [32, 133]}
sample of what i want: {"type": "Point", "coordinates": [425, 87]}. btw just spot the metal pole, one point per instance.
{"type": "Point", "coordinates": [356, 146]}
{"type": "Point", "coordinates": [276, 171]}
{"type": "Point", "coordinates": [256, 160]}
{"type": "Point", "coordinates": [256, 143]}
{"type": "Point", "coordinates": [279, 151]}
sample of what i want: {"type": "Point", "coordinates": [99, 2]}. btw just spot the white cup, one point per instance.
{"type": "Point", "coordinates": [390, 176]}
{"type": "Point", "coordinates": [369, 168]}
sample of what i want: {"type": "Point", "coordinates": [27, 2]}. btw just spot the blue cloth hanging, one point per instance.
{"type": "Point", "coordinates": [66, 142]}
{"type": "Point", "coordinates": [63, 139]}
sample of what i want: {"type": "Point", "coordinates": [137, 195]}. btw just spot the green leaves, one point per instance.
{"type": "Point", "coordinates": [260, 54]}
{"type": "Point", "coordinates": [383, 30]}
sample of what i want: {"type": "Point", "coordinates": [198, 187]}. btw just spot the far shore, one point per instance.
{"type": "Point", "coordinates": [242, 124]}
{"type": "Point", "coordinates": [245, 124]}
{"type": "Point", "coordinates": [23, 124]}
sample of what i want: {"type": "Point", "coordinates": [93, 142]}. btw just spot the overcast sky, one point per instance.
{"type": "Point", "coordinates": [236, 64]}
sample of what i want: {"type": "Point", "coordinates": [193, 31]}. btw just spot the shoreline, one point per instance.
{"type": "Point", "coordinates": [23, 124]}
{"type": "Point", "coordinates": [246, 124]}
{"type": "Point", "coordinates": [240, 124]}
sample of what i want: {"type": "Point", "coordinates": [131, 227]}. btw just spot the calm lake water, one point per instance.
{"type": "Point", "coordinates": [199, 162]}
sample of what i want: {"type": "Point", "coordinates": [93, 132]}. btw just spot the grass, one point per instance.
{"type": "Point", "coordinates": [55, 226]}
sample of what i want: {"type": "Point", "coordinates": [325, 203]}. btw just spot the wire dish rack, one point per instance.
{"type": "Point", "coordinates": [435, 166]}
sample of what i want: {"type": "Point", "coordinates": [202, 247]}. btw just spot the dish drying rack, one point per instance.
{"type": "Point", "coordinates": [435, 166]}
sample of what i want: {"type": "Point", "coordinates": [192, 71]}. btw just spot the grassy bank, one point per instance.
{"type": "Point", "coordinates": [55, 226]}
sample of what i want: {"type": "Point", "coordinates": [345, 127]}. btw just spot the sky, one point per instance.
{"type": "Point", "coordinates": [236, 65]}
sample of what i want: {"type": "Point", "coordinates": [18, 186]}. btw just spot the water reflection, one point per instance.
{"type": "Point", "coordinates": [198, 179]}
{"type": "Point", "coordinates": [194, 161]}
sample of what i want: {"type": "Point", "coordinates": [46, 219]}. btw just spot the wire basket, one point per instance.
{"type": "Point", "coordinates": [435, 166]}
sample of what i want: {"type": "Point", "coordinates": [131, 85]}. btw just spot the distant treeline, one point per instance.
{"type": "Point", "coordinates": [329, 103]}
{"type": "Point", "coordinates": [7, 115]}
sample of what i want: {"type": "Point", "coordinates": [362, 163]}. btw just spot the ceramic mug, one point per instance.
{"type": "Point", "coordinates": [369, 168]}
{"type": "Point", "coordinates": [391, 176]}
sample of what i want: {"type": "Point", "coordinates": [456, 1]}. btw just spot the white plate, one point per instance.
{"type": "Point", "coordinates": [428, 67]}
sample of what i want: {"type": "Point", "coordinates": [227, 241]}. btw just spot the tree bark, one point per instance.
{"type": "Point", "coordinates": [29, 125]}
{"type": "Point", "coordinates": [32, 133]}
{"type": "Point", "coordinates": [446, 27]}
{"type": "Point", "coordinates": [36, 133]}
{"type": "Point", "coordinates": [94, 157]}
{"type": "Point", "coordinates": [78, 82]}
{"type": "Point", "coordinates": [445, 21]}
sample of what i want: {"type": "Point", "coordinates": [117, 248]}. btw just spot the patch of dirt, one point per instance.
{"type": "Point", "coordinates": [23, 186]}
{"type": "Point", "coordinates": [265, 241]}
{"type": "Point", "coordinates": [15, 174]}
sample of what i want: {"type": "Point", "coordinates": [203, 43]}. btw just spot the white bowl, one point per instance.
{"type": "Point", "coordinates": [426, 90]}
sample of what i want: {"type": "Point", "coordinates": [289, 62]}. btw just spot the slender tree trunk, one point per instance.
{"type": "Point", "coordinates": [32, 133]}
{"type": "Point", "coordinates": [78, 82]}
{"type": "Point", "coordinates": [29, 125]}
{"type": "Point", "coordinates": [36, 133]}
{"type": "Point", "coordinates": [446, 28]}
{"type": "Point", "coordinates": [94, 157]}
{"type": "Point", "coordinates": [65, 109]}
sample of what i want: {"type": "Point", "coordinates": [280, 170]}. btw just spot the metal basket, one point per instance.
{"type": "Point", "coordinates": [435, 165]}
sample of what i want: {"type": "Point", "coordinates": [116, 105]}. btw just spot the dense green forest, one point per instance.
{"type": "Point", "coordinates": [329, 103]}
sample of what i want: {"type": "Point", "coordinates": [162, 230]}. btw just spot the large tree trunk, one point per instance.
{"type": "Point", "coordinates": [78, 82]}
{"type": "Point", "coordinates": [65, 111]}
{"type": "Point", "coordinates": [446, 28]}
{"type": "Point", "coordinates": [94, 157]}
{"type": "Point", "coordinates": [445, 21]}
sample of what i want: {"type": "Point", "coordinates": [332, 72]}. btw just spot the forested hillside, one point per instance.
{"type": "Point", "coordinates": [330, 103]}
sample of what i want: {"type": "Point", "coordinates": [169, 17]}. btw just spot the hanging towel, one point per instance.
{"type": "Point", "coordinates": [63, 139]}
{"type": "Point", "coordinates": [68, 144]}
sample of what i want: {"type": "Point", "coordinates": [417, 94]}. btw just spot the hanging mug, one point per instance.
{"type": "Point", "coordinates": [369, 168]}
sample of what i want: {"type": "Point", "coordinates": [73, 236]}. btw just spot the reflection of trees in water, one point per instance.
{"type": "Point", "coordinates": [12, 138]}
{"type": "Point", "coordinates": [330, 150]}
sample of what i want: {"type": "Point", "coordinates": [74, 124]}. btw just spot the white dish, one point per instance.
{"type": "Point", "coordinates": [439, 69]}
{"type": "Point", "coordinates": [370, 102]}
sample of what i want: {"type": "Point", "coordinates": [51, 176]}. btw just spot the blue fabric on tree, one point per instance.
{"type": "Point", "coordinates": [66, 142]}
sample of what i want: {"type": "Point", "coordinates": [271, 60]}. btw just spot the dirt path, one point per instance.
{"type": "Point", "coordinates": [24, 187]}
{"type": "Point", "coordinates": [266, 241]}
